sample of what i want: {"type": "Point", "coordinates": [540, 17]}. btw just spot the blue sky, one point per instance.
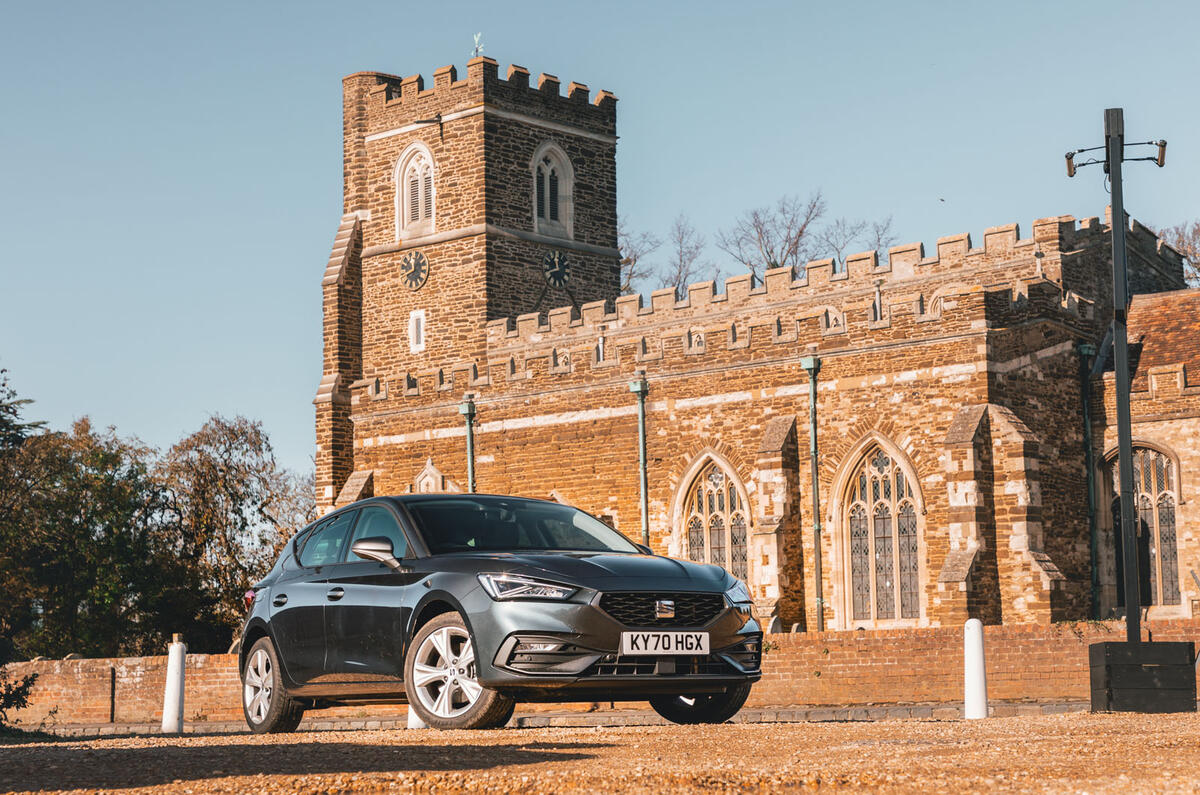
{"type": "Point", "coordinates": [172, 171]}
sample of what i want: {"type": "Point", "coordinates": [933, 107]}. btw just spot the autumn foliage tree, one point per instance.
{"type": "Point", "coordinates": [107, 547]}
{"type": "Point", "coordinates": [230, 506]}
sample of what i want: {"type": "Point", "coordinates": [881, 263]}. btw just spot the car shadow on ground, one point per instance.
{"type": "Point", "coordinates": [62, 766]}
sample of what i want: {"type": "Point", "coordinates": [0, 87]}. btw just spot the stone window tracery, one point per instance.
{"type": "Point", "coordinates": [553, 191]}
{"type": "Point", "coordinates": [1155, 498]}
{"type": "Point", "coordinates": [882, 532]}
{"type": "Point", "coordinates": [415, 210]}
{"type": "Point", "coordinates": [715, 523]}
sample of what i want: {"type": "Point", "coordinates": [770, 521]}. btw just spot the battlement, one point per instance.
{"type": "Point", "coordinates": [906, 276]}
{"type": "Point", "coordinates": [600, 341]}
{"type": "Point", "coordinates": [392, 100]}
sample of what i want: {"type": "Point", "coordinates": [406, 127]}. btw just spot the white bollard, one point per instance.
{"type": "Point", "coordinates": [414, 720]}
{"type": "Point", "coordinates": [172, 721]}
{"type": "Point", "coordinates": [975, 700]}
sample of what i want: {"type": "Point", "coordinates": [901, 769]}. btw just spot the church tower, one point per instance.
{"type": "Point", "coordinates": [470, 201]}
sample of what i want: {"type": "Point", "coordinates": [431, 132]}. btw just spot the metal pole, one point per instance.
{"type": "Point", "coordinates": [467, 409]}
{"type": "Point", "coordinates": [641, 389]}
{"type": "Point", "coordinates": [813, 365]}
{"type": "Point", "coordinates": [1114, 134]}
{"type": "Point", "coordinates": [1086, 352]}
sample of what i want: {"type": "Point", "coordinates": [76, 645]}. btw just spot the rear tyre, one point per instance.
{"type": "Point", "coordinates": [441, 681]}
{"type": "Point", "coordinates": [716, 708]}
{"type": "Point", "coordinates": [265, 704]}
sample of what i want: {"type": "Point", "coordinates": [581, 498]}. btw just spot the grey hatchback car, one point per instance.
{"type": "Point", "coordinates": [463, 605]}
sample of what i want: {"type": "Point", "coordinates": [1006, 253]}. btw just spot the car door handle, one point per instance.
{"type": "Point", "coordinates": [333, 594]}
{"type": "Point", "coordinates": [280, 601]}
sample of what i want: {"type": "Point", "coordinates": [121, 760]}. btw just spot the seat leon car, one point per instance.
{"type": "Point", "coordinates": [464, 605]}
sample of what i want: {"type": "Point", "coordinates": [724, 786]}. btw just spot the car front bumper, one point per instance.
{"type": "Point", "coordinates": [584, 662]}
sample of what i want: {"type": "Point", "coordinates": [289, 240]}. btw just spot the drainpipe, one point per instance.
{"type": "Point", "coordinates": [641, 389]}
{"type": "Point", "coordinates": [467, 409]}
{"type": "Point", "coordinates": [813, 365]}
{"type": "Point", "coordinates": [1086, 351]}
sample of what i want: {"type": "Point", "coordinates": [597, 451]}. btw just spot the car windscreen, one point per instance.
{"type": "Point", "coordinates": [500, 524]}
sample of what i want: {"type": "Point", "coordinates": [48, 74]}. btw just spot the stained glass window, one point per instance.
{"type": "Point", "coordinates": [1154, 496]}
{"type": "Point", "coordinates": [881, 518]}
{"type": "Point", "coordinates": [717, 524]}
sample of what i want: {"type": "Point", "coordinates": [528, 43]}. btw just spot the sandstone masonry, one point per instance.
{"type": "Point", "coordinates": [953, 466]}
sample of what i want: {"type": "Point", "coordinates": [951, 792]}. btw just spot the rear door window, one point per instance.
{"type": "Point", "coordinates": [324, 545]}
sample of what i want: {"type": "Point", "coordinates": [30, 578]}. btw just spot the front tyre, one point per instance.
{"type": "Point", "coordinates": [716, 708]}
{"type": "Point", "coordinates": [265, 704]}
{"type": "Point", "coordinates": [441, 680]}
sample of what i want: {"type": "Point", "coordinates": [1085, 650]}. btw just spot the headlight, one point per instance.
{"type": "Point", "coordinates": [738, 593]}
{"type": "Point", "coordinates": [512, 586]}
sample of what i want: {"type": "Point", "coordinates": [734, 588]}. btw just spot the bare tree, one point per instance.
{"type": "Point", "coordinates": [880, 237]}
{"type": "Point", "coordinates": [685, 246]}
{"type": "Point", "coordinates": [635, 247]}
{"type": "Point", "coordinates": [837, 236]}
{"type": "Point", "coordinates": [774, 237]}
{"type": "Point", "coordinates": [1185, 238]}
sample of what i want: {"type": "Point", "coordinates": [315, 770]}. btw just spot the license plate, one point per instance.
{"type": "Point", "coordinates": [659, 643]}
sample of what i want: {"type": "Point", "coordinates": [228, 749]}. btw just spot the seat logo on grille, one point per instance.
{"type": "Point", "coordinates": [664, 608]}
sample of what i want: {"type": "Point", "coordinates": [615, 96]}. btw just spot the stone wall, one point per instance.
{"type": "Point", "coordinates": [922, 666]}
{"type": "Point", "coordinates": [962, 363]}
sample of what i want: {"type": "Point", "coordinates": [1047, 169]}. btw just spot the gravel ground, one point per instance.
{"type": "Point", "coordinates": [1049, 753]}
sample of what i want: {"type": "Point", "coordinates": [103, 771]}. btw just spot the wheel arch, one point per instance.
{"type": "Point", "coordinates": [434, 604]}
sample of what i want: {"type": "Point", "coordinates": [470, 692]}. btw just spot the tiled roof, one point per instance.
{"type": "Point", "coordinates": [1164, 330]}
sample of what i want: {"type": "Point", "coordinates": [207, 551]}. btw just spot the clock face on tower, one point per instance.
{"type": "Point", "coordinates": [414, 270]}
{"type": "Point", "coordinates": [556, 269]}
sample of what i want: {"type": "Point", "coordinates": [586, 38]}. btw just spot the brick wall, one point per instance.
{"type": "Point", "coordinates": [1024, 663]}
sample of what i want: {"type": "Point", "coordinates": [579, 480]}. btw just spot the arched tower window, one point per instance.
{"type": "Point", "coordinates": [415, 199]}
{"type": "Point", "coordinates": [1155, 497]}
{"type": "Point", "coordinates": [715, 520]}
{"type": "Point", "coordinates": [553, 190]}
{"type": "Point", "coordinates": [881, 527]}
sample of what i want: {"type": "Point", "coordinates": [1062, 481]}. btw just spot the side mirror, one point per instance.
{"type": "Point", "coordinates": [645, 549]}
{"type": "Point", "coordinates": [378, 548]}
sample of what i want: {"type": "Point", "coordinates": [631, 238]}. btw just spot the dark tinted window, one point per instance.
{"type": "Point", "coordinates": [375, 520]}
{"type": "Point", "coordinates": [324, 545]}
{"type": "Point", "coordinates": [503, 524]}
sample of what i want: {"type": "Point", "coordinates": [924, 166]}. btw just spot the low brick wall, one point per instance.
{"type": "Point", "coordinates": [1025, 663]}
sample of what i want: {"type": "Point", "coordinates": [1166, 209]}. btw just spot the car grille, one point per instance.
{"type": "Point", "coordinates": [618, 665]}
{"type": "Point", "coordinates": [636, 609]}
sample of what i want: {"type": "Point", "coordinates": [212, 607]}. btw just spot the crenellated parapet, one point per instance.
{"type": "Point", "coordinates": [868, 300]}
{"type": "Point", "coordinates": [390, 100]}
{"type": "Point", "coordinates": [595, 345]}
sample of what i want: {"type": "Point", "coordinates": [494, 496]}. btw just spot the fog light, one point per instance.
{"type": "Point", "coordinates": [537, 645]}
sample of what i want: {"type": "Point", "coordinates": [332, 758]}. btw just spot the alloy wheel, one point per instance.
{"type": "Point", "coordinates": [259, 681]}
{"type": "Point", "coordinates": [444, 672]}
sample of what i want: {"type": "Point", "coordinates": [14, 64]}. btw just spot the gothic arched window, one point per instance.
{"type": "Point", "coordinates": [415, 192]}
{"type": "Point", "coordinates": [553, 187]}
{"type": "Point", "coordinates": [881, 525]}
{"type": "Point", "coordinates": [715, 523]}
{"type": "Point", "coordinates": [1154, 489]}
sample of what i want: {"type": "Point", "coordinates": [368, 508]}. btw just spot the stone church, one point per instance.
{"type": "Point", "coordinates": [961, 397]}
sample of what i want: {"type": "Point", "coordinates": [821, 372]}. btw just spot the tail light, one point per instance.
{"type": "Point", "coordinates": [248, 598]}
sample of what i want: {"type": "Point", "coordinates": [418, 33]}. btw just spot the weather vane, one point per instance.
{"type": "Point", "coordinates": [478, 46]}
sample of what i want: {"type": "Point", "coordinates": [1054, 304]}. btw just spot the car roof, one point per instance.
{"type": "Point", "coordinates": [422, 497]}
